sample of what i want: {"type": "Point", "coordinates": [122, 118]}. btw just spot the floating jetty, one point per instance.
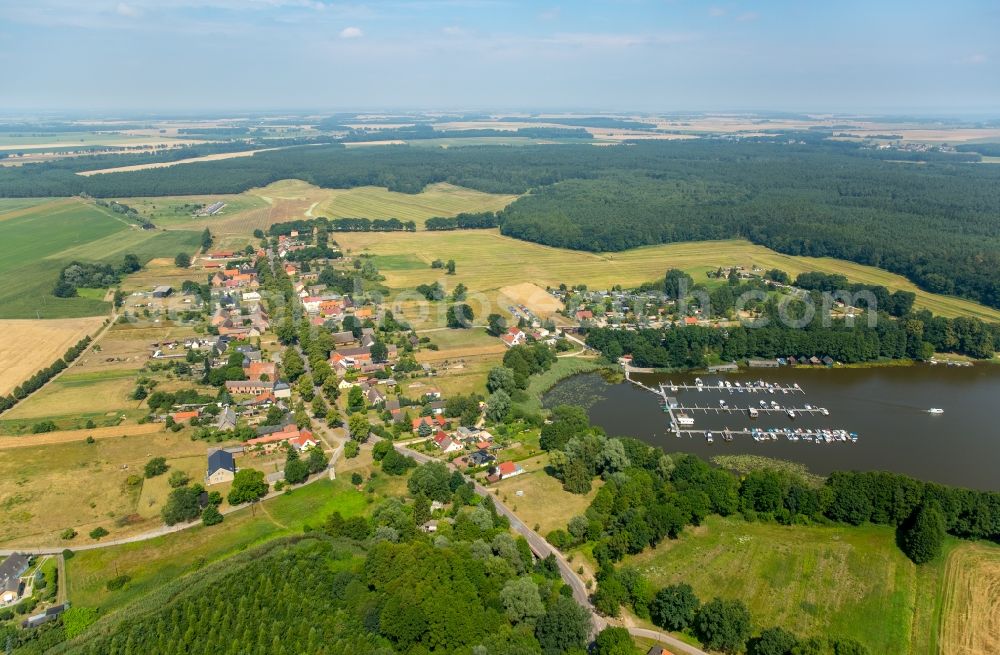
{"type": "Point", "coordinates": [817, 436]}
{"type": "Point", "coordinates": [749, 387]}
{"type": "Point", "coordinates": [734, 409]}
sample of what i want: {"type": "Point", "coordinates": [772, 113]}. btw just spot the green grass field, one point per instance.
{"type": "Point", "coordinates": [15, 205]}
{"type": "Point", "coordinates": [176, 211]}
{"type": "Point", "coordinates": [850, 581]}
{"type": "Point", "coordinates": [151, 563]}
{"type": "Point", "coordinates": [435, 200]}
{"type": "Point", "coordinates": [42, 238]}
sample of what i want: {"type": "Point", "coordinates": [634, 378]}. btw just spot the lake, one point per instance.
{"type": "Point", "coordinates": [887, 407]}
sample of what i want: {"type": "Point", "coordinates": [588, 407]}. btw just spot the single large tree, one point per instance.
{"type": "Point", "coordinates": [614, 641]}
{"type": "Point", "coordinates": [501, 378]}
{"type": "Point", "coordinates": [676, 283]}
{"type": "Point", "coordinates": [923, 535]}
{"type": "Point", "coordinates": [249, 485]}
{"type": "Point", "coordinates": [674, 607]}
{"type": "Point", "coordinates": [723, 625]}
{"type": "Point", "coordinates": [497, 324]}
{"type": "Point", "coordinates": [772, 641]}
{"type": "Point", "coordinates": [460, 316]}
{"type": "Point", "coordinates": [497, 406]}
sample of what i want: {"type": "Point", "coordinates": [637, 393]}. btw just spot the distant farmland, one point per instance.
{"type": "Point", "coordinates": [292, 199]}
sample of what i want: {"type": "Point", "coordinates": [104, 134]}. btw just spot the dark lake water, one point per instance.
{"type": "Point", "coordinates": [887, 407]}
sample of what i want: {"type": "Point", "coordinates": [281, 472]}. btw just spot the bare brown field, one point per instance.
{"type": "Point", "coordinates": [75, 484]}
{"type": "Point", "coordinates": [970, 616]}
{"type": "Point", "coordinates": [29, 345]}
{"type": "Point", "coordinates": [533, 297]}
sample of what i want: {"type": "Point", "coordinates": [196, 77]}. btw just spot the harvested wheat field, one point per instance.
{"type": "Point", "coordinates": [533, 297]}
{"type": "Point", "coordinates": [29, 345]}
{"type": "Point", "coordinates": [70, 436]}
{"type": "Point", "coordinates": [970, 618]}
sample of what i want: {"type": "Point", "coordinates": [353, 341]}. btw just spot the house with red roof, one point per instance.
{"type": "Point", "coordinates": [446, 443]}
{"type": "Point", "coordinates": [503, 471]}
{"type": "Point", "coordinates": [180, 417]}
{"type": "Point", "coordinates": [432, 422]}
{"type": "Point", "coordinates": [256, 370]}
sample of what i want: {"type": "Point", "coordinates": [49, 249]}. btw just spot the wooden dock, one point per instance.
{"type": "Point", "coordinates": [712, 409]}
{"type": "Point", "coordinates": [774, 388]}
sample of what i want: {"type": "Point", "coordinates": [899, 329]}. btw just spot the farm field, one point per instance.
{"type": "Point", "coordinates": [970, 616]}
{"type": "Point", "coordinates": [10, 207]}
{"type": "Point", "coordinates": [79, 394]}
{"type": "Point", "coordinates": [70, 139]}
{"type": "Point", "coordinates": [40, 239]}
{"type": "Point", "coordinates": [29, 260]}
{"type": "Point", "coordinates": [850, 581]}
{"type": "Point", "coordinates": [434, 200]}
{"type": "Point", "coordinates": [81, 485]}
{"type": "Point", "coordinates": [153, 562]}
{"type": "Point", "coordinates": [487, 261]}
{"type": "Point", "coordinates": [29, 345]}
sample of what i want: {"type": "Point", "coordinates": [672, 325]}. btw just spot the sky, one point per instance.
{"type": "Point", "coordinates": [889, 56]}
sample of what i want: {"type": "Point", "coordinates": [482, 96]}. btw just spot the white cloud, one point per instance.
{"type": "Point", "coordinates": [351, 33]}
{"type": "Point", "coordinates": [453, 30]}
{"type": "Point", "coordinates": [748, 17]}
{"type": "Point", "coordinates": [716, 12]}
{"type": "Point", "coordinates": [615, 40]}
{"type": "Point", "coordinates": [978, 58]}
{"type": "Point", "coordinates": [550, 14]}
{"type": "Point", "coordinates": [126, 10]}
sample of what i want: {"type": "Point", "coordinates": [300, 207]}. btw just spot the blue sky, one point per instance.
{"type": "Point", "coordinates": [650, 55]}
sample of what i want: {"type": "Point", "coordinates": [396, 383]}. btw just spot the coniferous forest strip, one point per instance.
{"type": "Point", "coordinates": [938, 224]}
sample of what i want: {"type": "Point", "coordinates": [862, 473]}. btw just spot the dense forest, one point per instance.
{"type": "Point", "coordinates": [373, 584]}
{"type": "Point", "coordinates": [938, 223]}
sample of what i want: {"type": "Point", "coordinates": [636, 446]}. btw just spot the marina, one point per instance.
{"type": "Point", "coordinates": [889, 407]}
{"type": "Point", "coordinates": [681, 421]}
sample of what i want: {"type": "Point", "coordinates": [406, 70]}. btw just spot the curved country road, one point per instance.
{"type": "Point", "coordinates": [542, 548]}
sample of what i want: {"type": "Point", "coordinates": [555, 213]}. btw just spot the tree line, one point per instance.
{"type": "Point", "coordinates": [464, 221]}
{"type": "Point", "coordinates": [916, 336]}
